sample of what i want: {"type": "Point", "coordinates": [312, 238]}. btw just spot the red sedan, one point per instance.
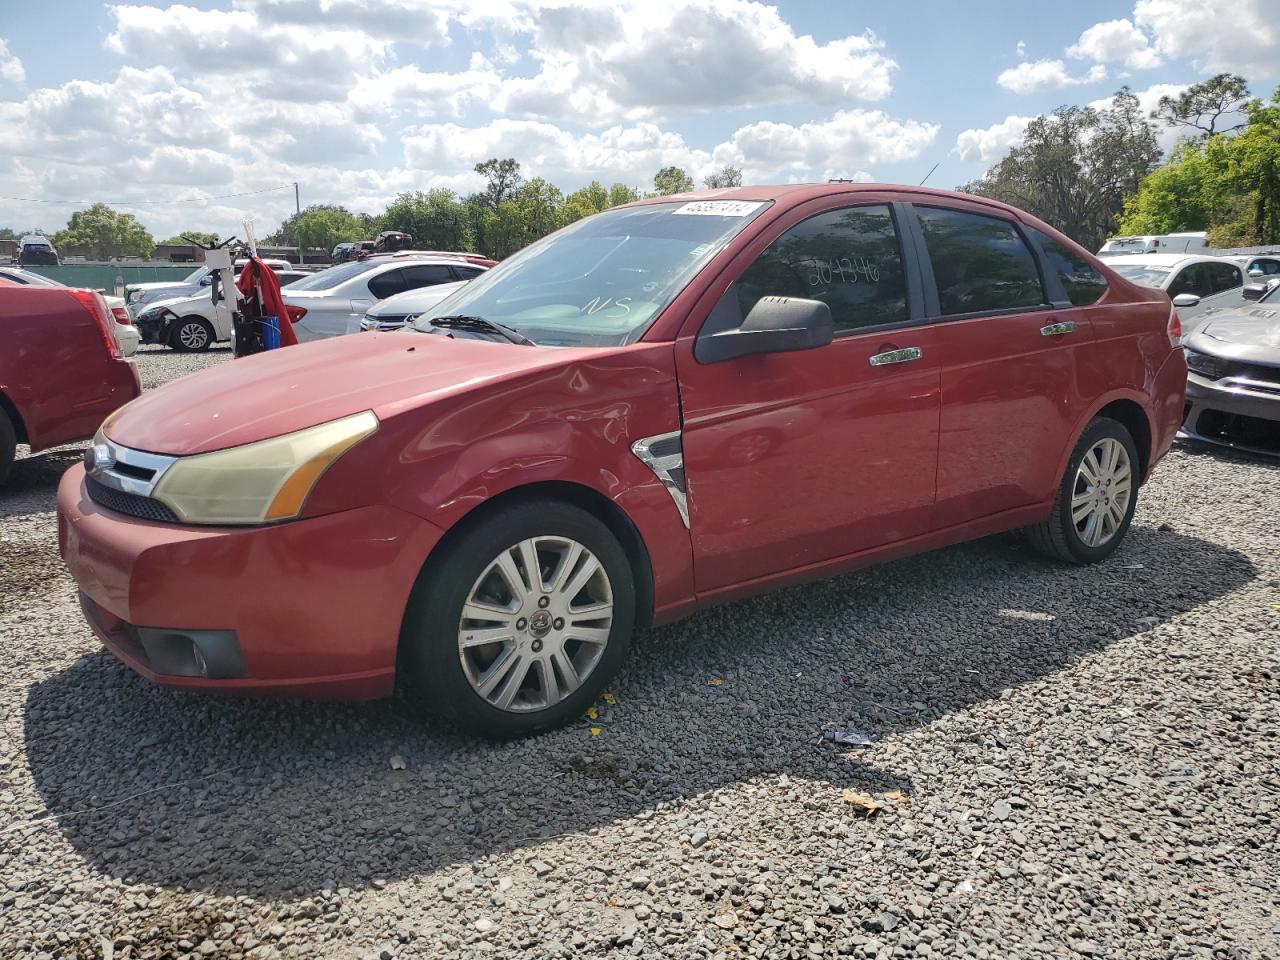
{"type": "Point", "coordinates": [671, 404]}
{"type": "Point", "coordinates": [61, 367]}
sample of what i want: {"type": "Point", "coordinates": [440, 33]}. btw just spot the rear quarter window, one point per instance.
{"type": "Point", "coordinates": [1084, 285]}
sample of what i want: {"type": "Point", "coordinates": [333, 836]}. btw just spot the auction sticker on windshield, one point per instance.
{"type": "Point", "coordinates": [718, 208]}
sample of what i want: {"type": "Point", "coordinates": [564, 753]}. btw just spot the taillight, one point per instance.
{"type": "Point", "coordinates": [295, 313]}
{"type": "Point", "coordinates": [1175, 328]}
{"type": "Point", "coordinates": [121, 315]}
{"type": "Point", "coordinates": [92, 301]}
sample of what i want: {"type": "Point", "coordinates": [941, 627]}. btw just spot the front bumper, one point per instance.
{"type": "Point", "coordinates": [312, 607]}
{"type": "Point", "coordinates": [1226, 412]}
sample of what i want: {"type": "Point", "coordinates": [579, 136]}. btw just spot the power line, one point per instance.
{"type": "Point", "coordinates": [134, 203]}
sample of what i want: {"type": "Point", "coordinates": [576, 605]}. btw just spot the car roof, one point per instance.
{"type": "Point", "coordinates": [793, 194]}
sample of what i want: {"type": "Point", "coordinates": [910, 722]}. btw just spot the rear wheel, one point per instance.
{"type": "Point", "coordinates": [8, 446]}
{"type": "Point", "coordinates": [518, 625]}
{"type": "Point", "coordinates": [1096, 498]}
{"type": "Point", "coordinates": [191, 335]}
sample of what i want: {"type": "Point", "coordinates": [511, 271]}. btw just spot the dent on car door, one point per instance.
{"type": "Point", "coordinates": [1009, 354]}
{"type": "Point", "coordinates": [796, 458]}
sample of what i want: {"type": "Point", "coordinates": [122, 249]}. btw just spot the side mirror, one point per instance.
{"type": "Point", "coordinates": [1254, 291]}
{"type": "Point", "coordinates": [1255, 272]}
{"type": "Point", "coordinates": [206, 280]}
{"type": "Point", "coordinates": [1186, 300]}
{"type": "Point", "coordinates": [774, 325]}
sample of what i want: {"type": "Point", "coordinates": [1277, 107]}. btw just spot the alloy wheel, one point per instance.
{"type": "Point", "coordinates": [193, 336]}
{"type": "Point", "coordinates": [1101, 492]}
{"type": "Point", "coordinates": [535, 624]}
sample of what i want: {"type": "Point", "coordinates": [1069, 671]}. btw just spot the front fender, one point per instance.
{"type": "Point", "coordinates": [569, 424]}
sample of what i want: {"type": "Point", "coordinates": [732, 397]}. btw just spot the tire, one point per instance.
{"type": "Point", "coordinates": [191, 335]}
{"type": "Point", "coordinates": [1062, 536]}
{"type": "Point", "coordinates": [446, 679]}
{"type": "Point", "coordinates": [8, 446]}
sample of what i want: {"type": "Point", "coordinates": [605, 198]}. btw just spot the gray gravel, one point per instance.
{"type": "Point", "coordinates": [1071, 762]}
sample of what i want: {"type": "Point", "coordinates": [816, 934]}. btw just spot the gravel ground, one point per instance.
{"type": "Point", "coordinates": [1071, 762]}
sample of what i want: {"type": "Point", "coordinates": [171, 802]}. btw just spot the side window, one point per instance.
{"type": "Point", "coordinates": [1222, 276]}
{"type": "Point", "coordinates": [1192, 279]}
{"type": "Point", "coordinates": [1269, 267]}
{"type": "Point", "coordinates": [848, 258]}
{"type": "Point", "coordinates": [467, 273]}
{"type": "Point", "coordinates": [387, 284]}
{"type": "Point", "coordinates": [426, 275]}
{"type": "Point", "coordinates": [1084, 285]}
{"type": "Point", "coordinates": [980, 263]}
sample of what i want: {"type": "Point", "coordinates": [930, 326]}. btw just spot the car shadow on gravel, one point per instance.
{"type": "Point", "coordinates": [284, 799]}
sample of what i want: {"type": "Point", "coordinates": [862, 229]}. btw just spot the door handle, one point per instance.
{"type": "Point", "coordinates": [905, 355]}
{"type": "Point", "coordinates": [1058, 329]}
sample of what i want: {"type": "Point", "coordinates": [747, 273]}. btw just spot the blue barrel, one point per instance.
{"type": "Point", "coordinates": [270, 332]}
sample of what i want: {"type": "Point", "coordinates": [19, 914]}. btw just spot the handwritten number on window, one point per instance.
{"type": "Point", "coordinates": [858, 270]}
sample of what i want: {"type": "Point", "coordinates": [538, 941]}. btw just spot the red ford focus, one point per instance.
{"type": "Point", "coordinates": [671, 404]}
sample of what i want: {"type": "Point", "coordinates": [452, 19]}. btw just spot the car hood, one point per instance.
{"type": "Point", "coordinates": [1251, 334]}
{"type": "Point", "coordinates": [414, 301]}
{"type": "Point", "coordinates": [204, 298]}
{"type": "Point", "coordinates": [278, 392]}
{"type": "Point", "coordinates": [159, 285]}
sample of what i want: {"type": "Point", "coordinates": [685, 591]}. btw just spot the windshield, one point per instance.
{"type": "Point", "coordinates": [1145, 274]}
{"type": "Point", "coordinates": [195, 275]}
{"type": "Point", "coordinates": [603, 280]}
{"type": "Point", "coordinates": [328, 279]}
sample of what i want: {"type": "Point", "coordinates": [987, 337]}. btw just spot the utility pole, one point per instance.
{"type": "Point", "coordinates": [297, 209]}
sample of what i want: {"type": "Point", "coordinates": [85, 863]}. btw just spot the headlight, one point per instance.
{"type": "Point", "coordinates": [259, 482]}
{"type": "Point", "coordinates": [1214, 368]}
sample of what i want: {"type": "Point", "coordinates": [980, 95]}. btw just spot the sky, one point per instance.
{"type": "Point", "coordinates": [199, 115]}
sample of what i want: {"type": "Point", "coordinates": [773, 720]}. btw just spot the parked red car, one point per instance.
{"type": "Point", "coordinates": [671, 404]}
{"type": "Point", "coordinates": [61, 368]}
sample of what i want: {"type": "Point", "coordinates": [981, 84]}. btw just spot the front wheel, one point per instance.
{"type": "Point", "coordinates": [191, 335]}
{"type": "Point", "coordinates": [520, 622]}
{"type": "Point", "coordinates": [1096, 498]}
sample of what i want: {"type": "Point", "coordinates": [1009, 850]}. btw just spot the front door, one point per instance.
{"type": "Point", "coordinates": [792, 459]}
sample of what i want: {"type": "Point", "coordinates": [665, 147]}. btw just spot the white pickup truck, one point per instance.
{"type": "Point", "coordinates": [139, 295]}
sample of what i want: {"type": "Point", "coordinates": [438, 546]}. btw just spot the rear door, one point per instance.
{"type": "Point", "coordinates": [1008, 346]}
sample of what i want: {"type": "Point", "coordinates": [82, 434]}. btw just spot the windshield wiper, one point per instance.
{"type": "Point", "coordinates": [482, 324]}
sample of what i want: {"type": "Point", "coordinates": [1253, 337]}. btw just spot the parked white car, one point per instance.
{"type": "Point", "coordinates": [337, 299]}
{"type": "Point", "coordinates": [126, 333]}
{"type": "Point", "coordinates": [1257, 267]}
{"type": "Point", "coordinates": [394, 312]}
{"type": "Point", "coordinates": [1152, 243]}
{"type": "Point", "coordinates": [192, 324]}
{"type": "Point", "coordinates": [1196, 284]}
{"type": "Point", "coordinates": [139, 295]}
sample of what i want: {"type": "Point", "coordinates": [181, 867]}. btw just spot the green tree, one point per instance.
{"type": "Point", "coordinates": [620, 193]}
{"type": "Point", "coordinates": [105, 233]}
{"type": "Point", "coordinates": [1226, 183]}
{"type": "Point", "coordinates": [1075, 167]}
{"type": "Point", "coordinates": [726, 176]}
{"type": "Point", "coordinates": [437, 220]}
{"type": "Point", "coordinates": [325, 229]}
{"type": "Point", "coordinates": [504, 180]}
{"type": "Point", "coordinates": [584, 202]}
{"type": "Point", "coordinates": [1202, 106]}
{"type": "Point", "coordinates": [7, 233]}
{"type": "Point", "coordinates": [671, 180]}
{"type": "Point", "coordinates": [286, 236]}
{"type": "Point", "coordinates": [206, 239]}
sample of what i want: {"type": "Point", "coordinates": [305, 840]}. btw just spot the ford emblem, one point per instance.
{"type": "Point", "coordinates": [98, 458]}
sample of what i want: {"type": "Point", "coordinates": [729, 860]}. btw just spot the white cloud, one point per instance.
{"type": "Point", "coordinates": [769, 151]}
{"type": "Point", "coordinates": [765, 152]}
{"type": "Point", "coordinates": [298, 63]}
{"type": "Point", "coordinates": [643, 60]}
{"type": "Point", "coordinates": [1034, 76]}
{"type": "Point", "coordinates": [989, 144]}
{"type": "Point", "coordinates": [1240, 36]}
{"type": "Point", "coordinates": [1116, 40]}
{"type": "Point", "coordinates": [1021, 49]}
{"type": "Point", "coordinates": [410, 90]}
{"type": "Point", "coordinates": [11, 68]}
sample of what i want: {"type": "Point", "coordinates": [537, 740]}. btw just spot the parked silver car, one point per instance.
{"type": "Point", "coordinates": [1233, 375]}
